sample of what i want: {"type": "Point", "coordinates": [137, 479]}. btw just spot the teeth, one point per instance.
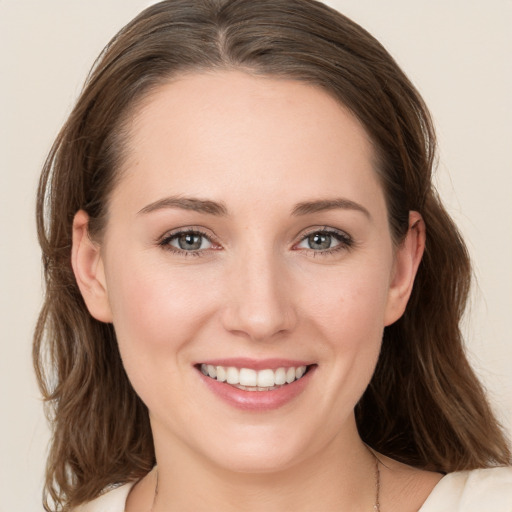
{"type": "Point", "coordinates": [232, 376]}
{"type": "Point", "coordinates": [280, 377]}
{"type": "Point", "coordinates": [248, 377]}
{"type": "Point", "coordinates": [252, 380]}
{"type": "Point", "coordinates": [266, 379]}
{"type": "Point", "coordinates": [221, 374]}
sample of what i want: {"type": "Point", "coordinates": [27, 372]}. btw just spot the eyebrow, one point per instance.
{"type": "Point", "coordinates": [322, 205]}
{"type": "Point", "coordinates": [187, 203]}
{"type": "Point", "coordinates": [219, 209]}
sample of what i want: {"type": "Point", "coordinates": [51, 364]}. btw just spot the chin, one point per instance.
{"type": "Point", "coordinates": [264, 450]}
{"type": "Point", "coordinates": [258, 461]}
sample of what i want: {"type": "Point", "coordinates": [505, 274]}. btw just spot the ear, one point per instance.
{"type": "Point", "coordinates": [87, 264]}
{"type": "Point", "coordinates": [407, 259]}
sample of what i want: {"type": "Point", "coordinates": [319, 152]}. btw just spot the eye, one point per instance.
{"type": "Point", "coordinates": [319, 241]}
{"type": "Point", "coordinates": [325, 241]}
{"type": "Point", "coordinates": [187, 241]}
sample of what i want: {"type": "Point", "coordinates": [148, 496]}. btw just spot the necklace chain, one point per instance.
{"type": "Point", "coordinates": [376, 506]}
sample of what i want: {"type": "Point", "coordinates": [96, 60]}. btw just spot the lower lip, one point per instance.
{"type": "Point", "coordinates": [258, 400]}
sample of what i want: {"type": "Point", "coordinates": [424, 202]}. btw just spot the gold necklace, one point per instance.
{"type": "Point", "coordinates": [376, 506]}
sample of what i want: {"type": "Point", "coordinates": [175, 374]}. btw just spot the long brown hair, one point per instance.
{"type": "Point", "coordinates": [424, 405]}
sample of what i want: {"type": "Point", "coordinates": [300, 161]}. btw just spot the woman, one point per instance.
{"type": "Point", "coordinates": [232, 222]}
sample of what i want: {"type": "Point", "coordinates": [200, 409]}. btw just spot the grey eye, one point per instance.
{"type": "Point", "coordinates": [323, 241]}
{"type": "Point", "coordinates": [319, 241]}
{"type": "Point", "coordinates": [190, 241]}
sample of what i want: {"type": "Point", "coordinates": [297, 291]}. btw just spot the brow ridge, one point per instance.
{"type": "Point", "coordinates": [187, 203]}
{"type": "Point", "coordinates": [219, 209]}
{"type": "Point", "coordinates": [309, 207]}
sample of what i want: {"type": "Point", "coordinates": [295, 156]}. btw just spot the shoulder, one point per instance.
{"type": "Point", "coordinates": [111, 501]}
{"type": "Point", "coordinates": [472, 491]}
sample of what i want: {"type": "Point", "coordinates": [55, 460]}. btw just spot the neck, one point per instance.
{"type": "Point", "coordinates": [341, 477]}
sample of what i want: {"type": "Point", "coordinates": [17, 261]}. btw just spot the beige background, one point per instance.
{"type": "Point", "coordinates": [456, 52]}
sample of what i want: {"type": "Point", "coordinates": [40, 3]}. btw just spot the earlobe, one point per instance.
{"type": "Point", "coordinates": [407, 259]}
{"type": "Point", "coordinates": [87, 264]}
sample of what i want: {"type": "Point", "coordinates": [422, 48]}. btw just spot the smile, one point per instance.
{"type": "Point", "coordinates": [256, 385]}
{"type": "Point", "coordinates": [248, 379]}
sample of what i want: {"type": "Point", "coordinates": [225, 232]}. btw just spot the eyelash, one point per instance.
{"type": "Point", "coordinates": [346, 242]}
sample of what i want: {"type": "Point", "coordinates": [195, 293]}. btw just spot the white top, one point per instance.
{"type": "Point", "coordinates": [480, 490]}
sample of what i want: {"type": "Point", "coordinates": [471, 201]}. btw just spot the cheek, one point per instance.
{"type": "Point", "coordinates": [155, 312]}
{"type": "Point", "coordinates": [351, 302]}
{"type": "Point", "coordinates": [349, 315]}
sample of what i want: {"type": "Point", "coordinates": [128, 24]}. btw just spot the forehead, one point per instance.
{"type": "Point", "coordinates": [224, 132]}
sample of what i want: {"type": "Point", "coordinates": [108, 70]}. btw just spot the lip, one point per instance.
{"type": "Point", "coordinates": [258, 401]}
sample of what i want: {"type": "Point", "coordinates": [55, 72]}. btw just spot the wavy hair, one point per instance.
{"type": "Point", "coordinates": [424, 405]}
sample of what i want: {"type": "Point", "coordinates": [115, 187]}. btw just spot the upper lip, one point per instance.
{"type": "Point", "coordinates": [256, 364]}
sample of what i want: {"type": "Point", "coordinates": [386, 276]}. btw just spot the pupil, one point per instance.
{"type": "Point", "coordinates": [189, 241]}
{"type": "Point", "coordinates": [319, 241]}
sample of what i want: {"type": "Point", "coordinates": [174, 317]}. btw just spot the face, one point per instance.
{"type": "Point", "coordinates": [248, 239]}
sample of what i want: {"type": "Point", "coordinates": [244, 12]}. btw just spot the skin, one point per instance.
{"type": "Point", "coordinates": [255, 288]}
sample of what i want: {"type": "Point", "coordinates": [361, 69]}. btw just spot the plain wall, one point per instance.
{"type": "Point", "coordinates": [456, 52]}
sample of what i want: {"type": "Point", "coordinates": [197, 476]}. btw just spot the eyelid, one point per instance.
{"type": "Point", "coordinates": [187, 229]}
{"type": "Point", "coordinates": [323, 229]}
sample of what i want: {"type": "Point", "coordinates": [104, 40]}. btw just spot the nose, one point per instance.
{"type": "Point", "coordinates": [259, 299]}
